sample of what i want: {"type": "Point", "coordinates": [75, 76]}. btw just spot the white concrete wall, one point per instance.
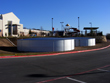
{"type": "Point", "coordinates": [20, 28]}
{"type": "Point", "coordinates": [46, 32]}
{"type": "Point", "coordinates": [1, 28]}
{"type": "Point", "coordinates": [0, 24]}
{"type": "Point", "coordinates": [26, 31]}
{"type": "Point", "coordinates": [38, 31]}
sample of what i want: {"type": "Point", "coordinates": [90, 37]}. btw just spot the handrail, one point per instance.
{"type": "Point", "coordinates": [10, 42]}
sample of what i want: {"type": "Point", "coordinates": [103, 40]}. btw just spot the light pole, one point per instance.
{"type": "Point", "coordinates": [61, 25]}
{"type": "Point", "coordinates": [91, 29]}
{"type": "Point", "coordinates": [52, 24]}
{"type": "Point", "coordinates": [78, 26]}
{"type": "Point", "coordinates": [78, 23]}
{"type": "Point", "coordinates": [90, 23]}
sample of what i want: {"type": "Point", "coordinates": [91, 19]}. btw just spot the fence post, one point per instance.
{"type": "Point", "coordinates": [53, 45]}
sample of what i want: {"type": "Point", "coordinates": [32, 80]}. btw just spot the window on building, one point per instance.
{"type": "Point", "coordinates": [9, 30]}
{"type": "Point", "coordinates": [9, 22]}
{"type": "Point", "coordinates": [0, 16]}
{"type": "Point", "coordinates": [14, 29]}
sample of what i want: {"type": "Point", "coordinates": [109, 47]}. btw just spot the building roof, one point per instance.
{"type": "Point", "coordinates": [67, 25]}
{"type": "Point", "coordinates": [89, 28]}
{"type": "Point", "coordinates": [11, 13]}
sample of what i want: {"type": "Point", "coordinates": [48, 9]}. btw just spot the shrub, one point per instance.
{"type": "Point", "coordinates": [108, 36]}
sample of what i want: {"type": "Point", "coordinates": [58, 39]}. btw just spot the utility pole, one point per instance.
{"type": "Point", "coordinates": [52, 27]}
{"type": "Point", "coordinates": [52, 24]}
{"type": "Point", "coordinates": [61, 25]}
{"type": "Point", "coordinates": [78, 26]}
{"type": "Point", "coordinates": [78, 23]}
{"type": "Point", "coordinates": [90, 23]}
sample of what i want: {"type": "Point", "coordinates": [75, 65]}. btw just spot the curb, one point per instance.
{"type": "Point", "coordinates": [54, 53]}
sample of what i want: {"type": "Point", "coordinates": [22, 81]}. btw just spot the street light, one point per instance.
{"type": "Point", "coordinates": [61, 25]}
{"type": "Point", "coordinates": [78, 23]}
{"type": "Point", "coordinates": [90, 23]}
{"type": "Point", "coordinates": [52, 24]}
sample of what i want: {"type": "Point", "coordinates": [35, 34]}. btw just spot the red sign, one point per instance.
{"type": "Point", "coordinates": [53, 29]}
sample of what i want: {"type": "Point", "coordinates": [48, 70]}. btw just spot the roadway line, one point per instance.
{"type": "Point", "coordinates": [102, 70]}
{"type": "Point", "coordinates": [74, 74]}
{"type": "Point", "coordinates": [51, 80]}
{"type": "Point", "coordinates": [75, 80]}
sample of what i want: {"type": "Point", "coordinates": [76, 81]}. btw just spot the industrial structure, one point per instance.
{"type": "Point", "coordinates": [92, 31]}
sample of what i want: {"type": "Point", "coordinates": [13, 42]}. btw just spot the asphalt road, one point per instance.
{"type": "Point", "coordinates": [87, 67]}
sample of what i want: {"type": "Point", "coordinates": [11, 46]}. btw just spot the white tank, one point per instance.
{"type": "Point", "coordinates": [45, 44]}
{"type": "Point", "coordinates": [53, 44]}
{"type": "Point", "coordinates": [83, 41]}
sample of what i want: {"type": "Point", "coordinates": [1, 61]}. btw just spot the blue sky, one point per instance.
{"type": "Point", "coordinates": [37, 13]}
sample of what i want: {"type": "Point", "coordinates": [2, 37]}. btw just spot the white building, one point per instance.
{"type": "Point", "coordinates": [36, 32]}
{"type": "Point", "coordinates": [10, 25]}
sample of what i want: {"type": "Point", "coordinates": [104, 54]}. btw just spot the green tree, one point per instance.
{"type": "Point", "coordinates": [30, 31]}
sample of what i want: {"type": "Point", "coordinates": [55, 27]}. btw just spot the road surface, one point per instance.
{"type": "Point", "coordinates": [87, 67]}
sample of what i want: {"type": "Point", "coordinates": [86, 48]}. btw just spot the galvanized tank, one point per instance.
{"type": "Point", "coordinates": [45, 44]}
{"type": "Point", "coordinates": [84, 41]}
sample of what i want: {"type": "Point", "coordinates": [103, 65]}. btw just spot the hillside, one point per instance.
{"type": "Point", "coordinates": [6, 46]}
{"type": "Point", "coordinates": [5, 42]}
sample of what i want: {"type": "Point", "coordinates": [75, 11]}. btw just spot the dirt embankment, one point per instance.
{"type": "Point", "coordinates": [5, 42]}
{"type": "Point", "coordinates": [6, 46]}
{"type": "Point", "coordinates": [14, 40]}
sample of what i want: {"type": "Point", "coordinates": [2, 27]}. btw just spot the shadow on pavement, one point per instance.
{"type": "Point", "coordinates": [44, 75]}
